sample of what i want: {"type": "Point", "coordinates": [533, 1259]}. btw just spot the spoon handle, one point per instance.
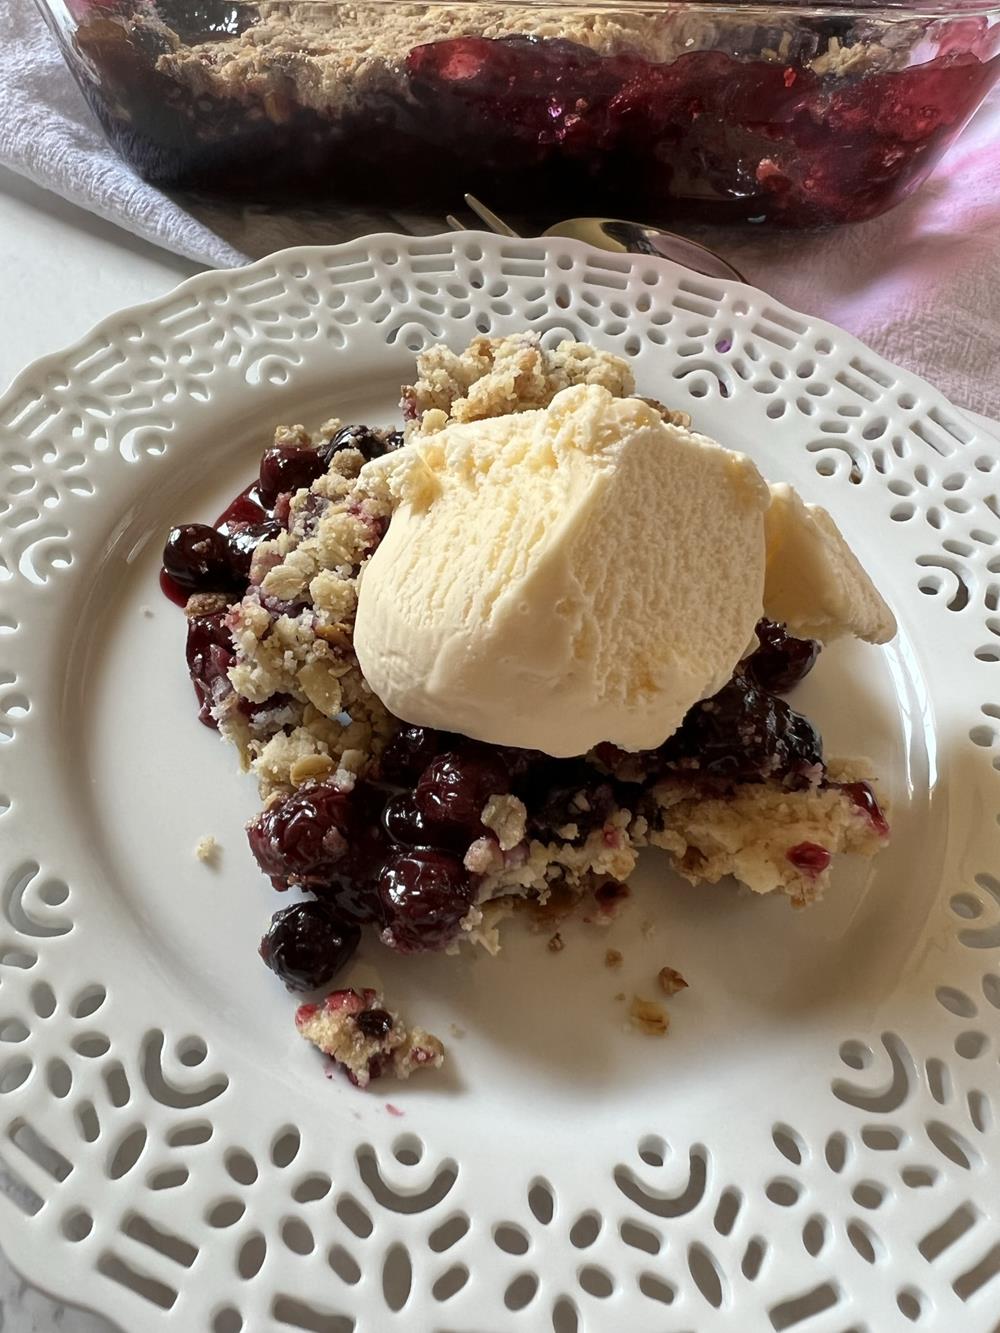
{"type": "Point", "coordinates": [487, 215]}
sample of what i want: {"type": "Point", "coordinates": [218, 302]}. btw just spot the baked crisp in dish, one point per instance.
{"type": "Point", "coordinates": [427, 836]}
{"type": "Point", "coordinates": [729, 112]}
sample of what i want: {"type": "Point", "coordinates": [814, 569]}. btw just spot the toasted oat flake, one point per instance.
{"type": "Point", "coordinates": [556, 943]}
{"type": "Point", "coordinates": [649, 1016]}
{"type": "Point", "coordinates": [613, 958]}
{"type": "Point", "coordinates": [310, 767]}
{"type": "Point", "coordinates": [670, 980]}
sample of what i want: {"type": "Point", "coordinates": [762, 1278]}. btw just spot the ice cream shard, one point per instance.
{"type": "Point", "coordinates": [815, 583]}
{"type": "Point", "coordinates": [560, 577]}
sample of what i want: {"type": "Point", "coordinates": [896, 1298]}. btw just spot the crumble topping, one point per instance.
{"type": "Point", "coordinates": [367, 1040]}
{"type": "Point", "coordinates": [292, 632]}
{"type": "Point", "coordinates": [333, 58]}
{"type": "Point", "coordinates": [508, 819]}
{"type": "Point", "coordinates": [748, 833]}
{"type": "Point", "coordinates": [495, 377]}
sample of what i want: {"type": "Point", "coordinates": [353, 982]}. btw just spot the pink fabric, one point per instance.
{"type": "Point", "coordinates": [921, 284]}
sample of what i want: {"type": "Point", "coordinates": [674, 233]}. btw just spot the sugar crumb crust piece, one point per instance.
{"type": "Point", "coordinates": [206, 850]}
{"type": "Point", "coordinates": [365, 1039]}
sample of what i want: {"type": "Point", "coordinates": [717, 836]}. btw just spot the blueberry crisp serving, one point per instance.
{"type": "Point", "coordinates": [488, 657]}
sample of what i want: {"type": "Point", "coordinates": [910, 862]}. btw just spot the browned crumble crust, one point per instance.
{"type": "Point", "coordinates": [333, 58]}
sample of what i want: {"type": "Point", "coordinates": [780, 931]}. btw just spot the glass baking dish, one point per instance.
{"type": "Point", "coordinates": [796, 115]}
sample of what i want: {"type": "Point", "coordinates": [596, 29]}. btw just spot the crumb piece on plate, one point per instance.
{"type": "Point", "coordinates": [456, 1031]}
{"type": "Point", "coordinates": [147, 611]}
{"type": "Point", "coordinates": [670, 980]}
{"type": "Point", "coordinates": [619, 995]}
{"type": "Point", "coordinates": [206, 849]}
{"type": "Point", "coordinates": [649, 1016]}
{"type": "Point", "coordinates": [648, 929]}
{"type": "Point", "coordinates": [367, 1040]}
{"type": "Point", "coordinates": [613, 958]}
{"type": "Point", "coordinates": [556, 943]}
{"type": "Point", "coordinates": [393, 1110]}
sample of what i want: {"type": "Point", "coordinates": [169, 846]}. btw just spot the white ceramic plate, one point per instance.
{"type": "Point", "coordinates": [813, 1146]}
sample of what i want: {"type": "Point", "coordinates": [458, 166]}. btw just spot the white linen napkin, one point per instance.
{"type": "Point", "coordinates": [49, 134]}
{"type": "Point", "coordinates": [921, 284]}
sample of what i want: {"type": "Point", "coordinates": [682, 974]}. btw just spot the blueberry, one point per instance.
{"type": "Point", "coordinates": [408, 753]}
{"type": "Point", "coordinates": [197, 558]}
{"type": "Point", "coordinates": [283, 468]}
{"type": "Point", "coordinates": [454, 787]}
{"type": "Point", "coordinates": [781, 660]}
{"type": "Point", "coordinates": [370, 443]}
{"type": "Point", "coordinates": [424, 895]}
{"type": "Point", "coordinates": [306, 945]}
{"type": "Point", "coordinates": [744, 734]}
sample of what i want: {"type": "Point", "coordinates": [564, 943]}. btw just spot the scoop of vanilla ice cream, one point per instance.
{"type": "Point", "coordinates": [561, 577]}
{"type": "Point", "coordinates": [814, 582]}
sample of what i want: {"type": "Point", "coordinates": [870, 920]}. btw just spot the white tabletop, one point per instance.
{"type": "Point", "coordinates": [64, 270]}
